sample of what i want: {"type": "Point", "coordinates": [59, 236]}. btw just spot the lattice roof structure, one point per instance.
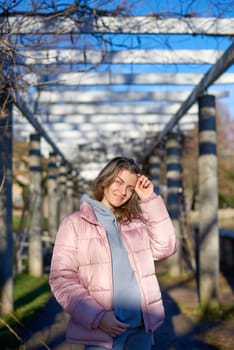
{"type": "Point", "coordinates": [96, 86]}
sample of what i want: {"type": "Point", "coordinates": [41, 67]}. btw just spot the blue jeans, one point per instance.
{"type": "Point", "coordinates": [131, 339]}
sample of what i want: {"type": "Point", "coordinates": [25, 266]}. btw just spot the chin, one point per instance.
{"type": "Point", "coordinates": [118, 205]}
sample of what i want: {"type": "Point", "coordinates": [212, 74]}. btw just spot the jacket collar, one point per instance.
{"type": "Point", "coordinates": [87, 213]}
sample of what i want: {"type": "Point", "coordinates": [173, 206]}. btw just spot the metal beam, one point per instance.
{"type": "Point", "coordinates": [225, 61]}
{"type": "Point", "coordinates": [20, 104]}
{"type": "Point", "coordinates": [152, 24]}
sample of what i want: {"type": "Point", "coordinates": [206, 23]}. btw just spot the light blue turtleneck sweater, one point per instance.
{"type": "Point", "coordinates": [127, 299]}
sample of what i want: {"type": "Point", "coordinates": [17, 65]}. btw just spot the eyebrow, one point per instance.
{"type": "Point", "coordinates": [133, 187]}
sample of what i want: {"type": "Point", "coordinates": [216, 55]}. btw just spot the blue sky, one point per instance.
{"type": "Point", "coordinates": [173, 8]}
{"type": "Point", "coordinates": [217, 8]}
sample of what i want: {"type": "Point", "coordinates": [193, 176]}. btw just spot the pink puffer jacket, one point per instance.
{"type": "Point", "coordinates": [81, 270]}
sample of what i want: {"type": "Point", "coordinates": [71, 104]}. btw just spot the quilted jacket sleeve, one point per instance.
{"type": "Point", "coordinates": [64, 278]}
{"type": "Point", "coordinates": [160, 227]}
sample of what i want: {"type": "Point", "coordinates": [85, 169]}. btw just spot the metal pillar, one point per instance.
{"type": "Point", "coordinates": [6, 236]}
{"type": "Point", "coordinates": [208, 202]}
{"type": "Point", "coordinates": [173, 175]}
{"type": "Point", "coordinates": [35, 259]}
{"type": "Point", "coordinates": [154, 170]}
{"type": "Point", "coordinates": [52, 196]}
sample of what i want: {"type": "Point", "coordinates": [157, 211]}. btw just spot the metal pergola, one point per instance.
{"type": "Point", "coordinates": [94, 87]}
{"type": "Point", "coordinates": [93, 101]}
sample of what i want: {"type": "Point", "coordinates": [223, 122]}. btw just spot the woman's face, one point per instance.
{"type": "Point", "coordinates": [121, 190]}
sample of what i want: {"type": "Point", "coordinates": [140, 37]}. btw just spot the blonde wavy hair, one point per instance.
{"type": "Point", "coordinates": [129, 210]}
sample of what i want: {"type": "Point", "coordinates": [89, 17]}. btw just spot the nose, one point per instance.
{"type": "Point", "coordinates": [124, 190]}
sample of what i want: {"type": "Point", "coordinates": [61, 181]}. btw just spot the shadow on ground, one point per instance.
{"type": "Point", "coordinates": [177, 332]}
{"type": "Point", "coordinates": [48, 331]}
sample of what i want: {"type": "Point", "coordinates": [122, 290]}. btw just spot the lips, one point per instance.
{"type": "Point", "coordinates": [119, 196]}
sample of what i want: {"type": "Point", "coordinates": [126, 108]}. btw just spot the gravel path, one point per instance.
{"type": "Point", "coordinates": [177, 332]}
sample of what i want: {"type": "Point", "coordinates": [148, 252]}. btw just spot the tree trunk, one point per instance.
{"type": "Point", "coordinates": [6, 235]}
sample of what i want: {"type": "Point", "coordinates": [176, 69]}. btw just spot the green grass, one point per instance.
{"type": "Point", "coordinates": [217, 313]}
{"type": "Point", "coordinates": [16, 223]}
{"type": "Point", "coordinates": [30, 295]}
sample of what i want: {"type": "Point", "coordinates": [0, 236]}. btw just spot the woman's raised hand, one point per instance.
{"type": "Point", "coordinates": [144, 187]}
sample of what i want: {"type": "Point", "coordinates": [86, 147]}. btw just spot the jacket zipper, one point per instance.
{"type": "Point", "coordinates": [144, 314]}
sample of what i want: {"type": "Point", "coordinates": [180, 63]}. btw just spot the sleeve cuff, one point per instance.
{"type": "Point", "coordinates": [152, 196]}
{"type": "Point", "coordinates": [98, 318]}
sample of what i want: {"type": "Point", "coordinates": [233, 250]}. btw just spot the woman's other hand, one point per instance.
{"type": "Point", "coordinates": [111, 325]}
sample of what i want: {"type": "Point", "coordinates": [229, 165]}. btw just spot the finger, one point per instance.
{"type": "Point", "coordinates": [144, 182]}
{"type": "Point", "coordinates": [144, 179]}
{"type": "Point", "coordinates": [122, 325]}
{"type": "Point", "coordinates": [123, 328]}
{"type": "Point", "coordinates": [140, 180]}
{"type": "Point", "coordinates": [118, 331]}
{"type": "Point", "coordinates": [114, 333]}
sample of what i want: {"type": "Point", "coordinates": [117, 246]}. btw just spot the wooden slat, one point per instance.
{"type": "Point", "coordinates": [97, 79]}
{"type": "Point", "coordinates": [77, 122]}
{"type": "Point", "coordinates": [63, 56]}
{"type": "Point", "coordinates": [86, 132]}
{"type": "Point", "coordinates": [71, 109]}
{"type": "Point", "coordinates": [75, 97]}
{"type": "Point", "coordinates": [126, 25]}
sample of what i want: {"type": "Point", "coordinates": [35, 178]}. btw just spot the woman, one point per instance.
{"type": "Point", "coordinates": [102, 270]}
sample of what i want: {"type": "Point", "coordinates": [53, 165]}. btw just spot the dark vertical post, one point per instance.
{"type": "Point", "coordinates": [173, 175]}
{"type": "Point", "coordinates": [52, 196]}
{"type": "Point", "coordinates": [6, 234]}
{"type": "Point", "coordinates": [154, 170]}
{"type": "Point", "coordinates": [76, 200]}
{"type": "Point", "coordinates": [208, 202]}
{"type": "Point", "coordinates": [35, 261]}
{"type": "Point", "coordinates": [62, 191]}
{"type": "Point", "coordinates": [70, 195]}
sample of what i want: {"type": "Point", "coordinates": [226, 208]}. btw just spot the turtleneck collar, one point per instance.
{"type": "Point", "coordinates": [98, 207]}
